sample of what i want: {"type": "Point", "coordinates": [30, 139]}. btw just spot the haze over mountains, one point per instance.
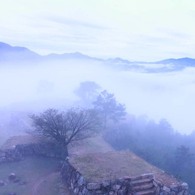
{"type": "Point", "coordinates": [17, 54]}
{"type": "Point", "coordinates": [31, 82]}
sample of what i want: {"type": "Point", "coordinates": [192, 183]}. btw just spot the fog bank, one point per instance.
{"type": "Point", "coordinates": [31, 87]}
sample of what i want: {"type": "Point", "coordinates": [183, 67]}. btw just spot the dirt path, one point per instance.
{"type": "Point", "coordinates": [38, 184]}
{"type": "Point", "coordinates": [40, 181]}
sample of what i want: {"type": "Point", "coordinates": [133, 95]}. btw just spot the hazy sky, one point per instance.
{"type": "Point", "coordinates": [132, 29]}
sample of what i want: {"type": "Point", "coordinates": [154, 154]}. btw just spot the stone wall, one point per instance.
{"type": "Point", "coordinates": [18, 152]}
{"type": "Point", "coordinates": [144, 184]}
{"type": "Point", "coordinates": [161, 189]}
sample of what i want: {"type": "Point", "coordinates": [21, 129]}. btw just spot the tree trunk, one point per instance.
{"type": "Point", "coordinates": [66, 151]}
{"type": "Point", "coordinates": [105, 122]}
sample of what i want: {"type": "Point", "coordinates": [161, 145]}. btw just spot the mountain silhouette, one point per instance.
{"type": "Point", "coordinates": [15, 54]}
{"type": "Point", "coordinates": [9, 53]}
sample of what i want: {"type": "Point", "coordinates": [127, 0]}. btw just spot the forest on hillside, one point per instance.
{"type": "Point", "coordinates": [157, 143]}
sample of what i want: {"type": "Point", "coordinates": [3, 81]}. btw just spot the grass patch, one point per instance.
{"type": "Point", "coordinates": [89, 145]}
{"type": "Point", "coordinates": [114, 165]}
{"type": "Point", "coordinates": [20, 139]}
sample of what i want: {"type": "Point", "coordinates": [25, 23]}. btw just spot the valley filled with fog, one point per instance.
{"type": "Point", "coordinates": [29, 87]}
{"type": "Point", "coordinates": [119, 73]}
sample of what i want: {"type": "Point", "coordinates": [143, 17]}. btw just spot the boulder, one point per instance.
{"type": "Point", "coordinates": [2, 183]}
{"type": "Point", "coordinates": [12, 176]}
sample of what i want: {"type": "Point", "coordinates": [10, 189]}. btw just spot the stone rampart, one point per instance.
{"type": "Point", "coordinates": [145, 184]}
{"type": "Point", "coordinates": [18, 152]}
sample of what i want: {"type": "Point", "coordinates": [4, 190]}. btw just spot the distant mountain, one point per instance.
{"type": "Point", "coordinates": [14, 55]}
{"type": "Point", "coordinates": [173, 64]}
{"type": "Point", "coordinates": [9, 53]}
{"type": "Point", "coordinates": [118, 61]}
{"type": "Point", "coordinates": [179, 61]}
{"type": "Point", "coordinates": [123, 64]}
{"type": "Point", "coordinates": [65, 56]}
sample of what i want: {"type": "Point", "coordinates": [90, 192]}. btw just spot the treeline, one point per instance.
{"type": "Point", "coordinates": [157, 143]}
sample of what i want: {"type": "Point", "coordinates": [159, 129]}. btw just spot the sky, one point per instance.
{"type": "Point", "coordinates": [132, 29]}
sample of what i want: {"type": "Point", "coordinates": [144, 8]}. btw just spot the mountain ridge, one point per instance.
{"type": "Point", "coordinates": [15, 54]}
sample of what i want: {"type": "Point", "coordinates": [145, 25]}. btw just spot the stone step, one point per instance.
{"type": "Point", "coordinates": [143, 187]}
{"type": "Point", "coordinates": [143, 176]}
{"type": "Point", "coordinates": [146, 192]}
{"type": "Point", "coordinates": [141, 182]}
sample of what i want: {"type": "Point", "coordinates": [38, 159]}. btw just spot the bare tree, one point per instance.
{"type": "Point", "coordinates": [65, 127]}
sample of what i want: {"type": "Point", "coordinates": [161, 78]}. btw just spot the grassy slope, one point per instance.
{"type": "Point", "coordinates": [98, 161]}
{"type": "Point", "coordinates": [90, 145]}
{"type": "Point", "coordinates": [113, 165]}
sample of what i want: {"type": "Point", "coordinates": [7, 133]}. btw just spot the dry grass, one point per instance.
{"type": "Point", "coordinates": [97, 167]}
{"type": "Point", "coordinates": [20, 139]}
{"type": "Point", "coordinates": [89, 145]}
{"type": "Point", "coordinates": [110, 165]}
{"type": "Point", "coordinates": [97, 160]}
